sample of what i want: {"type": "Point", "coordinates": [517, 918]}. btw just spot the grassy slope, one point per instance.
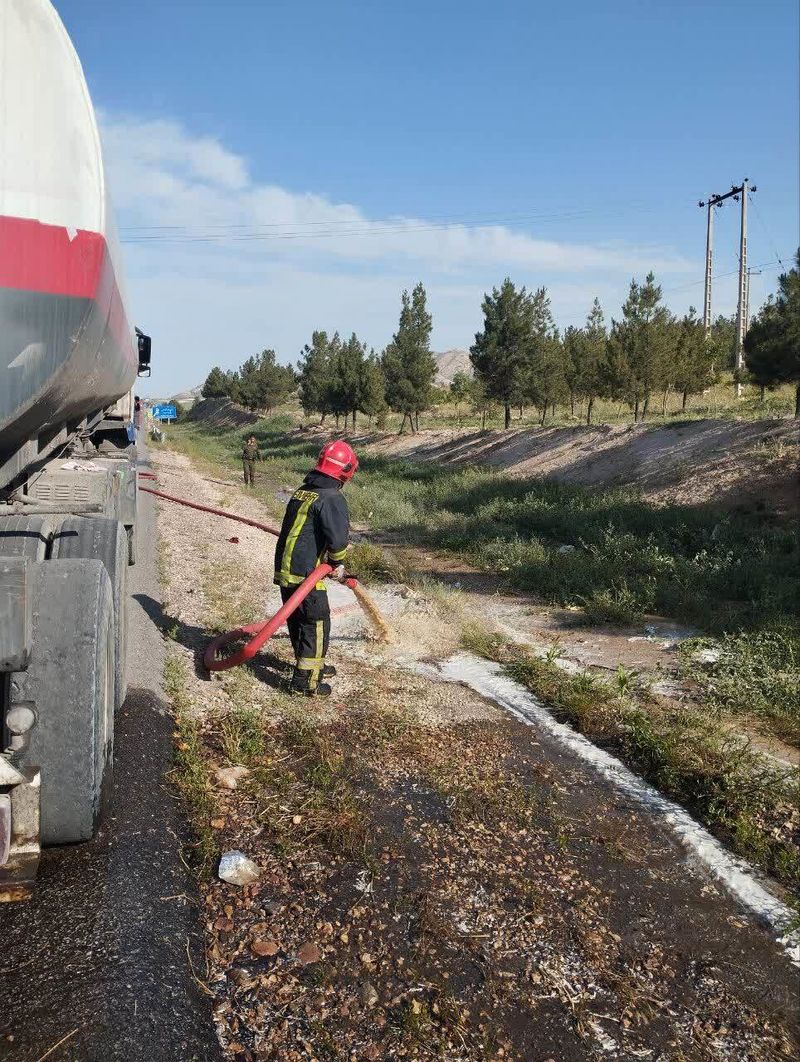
{"type": "Point", "coordinates": [734, 575]}
{"type": "Point", "coordinates": [723, 571]}
{"type": "Point", "coordinates": [730, 575]}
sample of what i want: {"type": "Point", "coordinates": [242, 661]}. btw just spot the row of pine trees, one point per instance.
{"type": "Point", "coordinates": [521, 359]}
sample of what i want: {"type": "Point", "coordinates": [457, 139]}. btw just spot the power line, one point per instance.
{"type": "Point", "coordinates": [474, 218]}
{"type": "Point", "coordinates": [720, 276]}
{"type": "Point", "coordinates": [763, 225]}
{"type": "Point", "coordinates": [397, 220]}
{"type": "Point", "coordinates": [325, 230]}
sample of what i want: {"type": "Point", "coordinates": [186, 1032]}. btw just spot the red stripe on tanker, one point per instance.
{"type": "Point", "coordinates": [52, 260]}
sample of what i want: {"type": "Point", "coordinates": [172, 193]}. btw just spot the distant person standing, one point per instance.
{"type": "Point", "coordinates": [250, 454]}
{"type": "Point", "coordinates": [137, 413]}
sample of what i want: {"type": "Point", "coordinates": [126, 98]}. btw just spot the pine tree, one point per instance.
{"type": "Point", "coordinates": [639, 346]}
{"type": "Point", "coordinates": [501, 352]}
{"type": "Point", "coordinates": [723, 342]}
{"type": "Point", "coordinates": [314, 373]}
{"type": "Point", "coordinates": [772, 344]}
{"type": "Point", "coordinates": [334, 397]}
{"type": "Point", "coordinates": [571, 354]}
{"type": "Point", "coordinates": [216, 385]}
{"type": "Point", "coordinates": [545, 374]}
{"type": "Point", "coordinates": [233, 383]}
{"type": "Point", "coordinates": [347, 371]}
{"type": "Point", "coordinates": [590, 365]}
{"type": "Point", "coordinates": [547, 378]}
{"type": "Point", "coordinates": [408, 365]}
{"type": "Point", "coordinates": [691, 370]}
{"type": "Point", "coordinates": [372, 388]}
{"type": "Point", "coordinates": [263, 383]}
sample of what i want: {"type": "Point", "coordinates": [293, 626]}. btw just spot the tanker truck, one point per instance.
{"type": "Point", "coordinates": [69, 358]}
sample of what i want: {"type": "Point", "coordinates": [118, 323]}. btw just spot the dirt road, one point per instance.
{"type": "Point", "coordinates": [443, 872]}
{"type": "Point", "coordinates": [98, 960]}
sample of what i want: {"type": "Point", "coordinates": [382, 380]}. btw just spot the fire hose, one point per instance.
{"type": "Point", "coordinates": [260, 633]}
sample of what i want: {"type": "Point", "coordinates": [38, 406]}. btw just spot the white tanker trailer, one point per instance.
{"type": "Point", "coordinates": [69, 357]}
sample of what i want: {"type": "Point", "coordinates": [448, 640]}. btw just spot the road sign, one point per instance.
{"type": "Point", "coordinates": [165, 413]}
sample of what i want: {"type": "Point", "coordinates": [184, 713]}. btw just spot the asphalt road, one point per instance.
{"type": "Point", "coordinates": [98, 961]}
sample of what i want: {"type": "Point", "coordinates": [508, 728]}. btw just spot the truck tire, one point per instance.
{"type": "Point", "coordinates": [98, 538]}
{"type": "Point", "coordinates": [70, 680]}
{"type": "Point", "coordinates": [26, 536]}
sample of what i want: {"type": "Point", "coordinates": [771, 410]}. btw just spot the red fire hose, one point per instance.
{"type": "Point", "coordinates": [206, 508]}
{"type": "Point", "coordinates": [258, 633]}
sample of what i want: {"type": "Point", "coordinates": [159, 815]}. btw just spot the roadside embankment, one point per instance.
{"type": "Point", "coordinates": [586, 577]}
{"type": "Point", "coordinates": [730, 464]}
{"type": "Point", "coordinates": [434, 876]}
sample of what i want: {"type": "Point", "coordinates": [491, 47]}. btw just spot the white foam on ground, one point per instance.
{"type": "Point", "coordinates": [737, 876]}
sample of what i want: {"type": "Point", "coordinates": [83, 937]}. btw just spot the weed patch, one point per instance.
{"type": "Point", "coordinates": [242, 735]}
{"type": "Point", "coordinates": [372, 563]}
{"type": "Point", "coordinates": [191, 772]}
{"type": "Point", "coordinates": [617, 605]}
{"type": "Point", "coordinates": [753, 674]}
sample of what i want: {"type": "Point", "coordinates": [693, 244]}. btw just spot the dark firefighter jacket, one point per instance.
{"type": "Point", "coordinates": [316, 527]}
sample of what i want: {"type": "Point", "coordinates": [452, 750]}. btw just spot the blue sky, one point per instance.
{"type": "Point", "coordinates": [354, 148]}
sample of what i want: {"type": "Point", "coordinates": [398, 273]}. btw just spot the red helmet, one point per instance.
{"type": "Point", "coordinates": [338, 459]}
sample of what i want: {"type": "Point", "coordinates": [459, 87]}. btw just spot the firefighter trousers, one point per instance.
{"type": "Point", "coordinates": [310, 632]}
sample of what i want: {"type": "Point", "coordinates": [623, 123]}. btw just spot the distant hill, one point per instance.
{"type": "Point", "coordinates": [188, 398]}
{"type": "Point", "coordinates": [449, 363]}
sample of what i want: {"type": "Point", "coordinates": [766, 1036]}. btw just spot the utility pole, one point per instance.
{"type": "Point", "coordinates": [741, 308]}
{"type": "Point", "coordinates": [709, 259]}
{"type": "Point", "coordinates": [741, 312]}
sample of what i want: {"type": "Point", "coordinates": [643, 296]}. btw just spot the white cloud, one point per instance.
{"type": "Point", "coordinates": [157, 145]}
{"type": "Point", "coordinates": [220, 264]}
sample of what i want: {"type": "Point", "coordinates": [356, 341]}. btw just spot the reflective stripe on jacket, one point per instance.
{"type": "Point", "coordinates": [316, 527]}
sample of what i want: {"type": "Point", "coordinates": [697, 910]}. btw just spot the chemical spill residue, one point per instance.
{"type": "Point", "coordinates": [735, 874]}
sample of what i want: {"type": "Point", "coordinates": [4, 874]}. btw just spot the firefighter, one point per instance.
{"type": "Point", "coordinates": [250, 454]}
{"type": "Point", "coordinates": [316, 528]}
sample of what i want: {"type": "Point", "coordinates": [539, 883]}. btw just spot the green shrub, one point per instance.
{"type": "Point", "coordinates": [753, 674]}
{"type": "Point", "coordinates": [617, 605]}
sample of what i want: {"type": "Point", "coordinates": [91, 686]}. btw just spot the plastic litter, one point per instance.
{"type": "Point", "coordinates": [237, 869]}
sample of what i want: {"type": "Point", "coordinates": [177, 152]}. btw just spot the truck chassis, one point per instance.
{"type": "Point", "coordinates": [67, 537]}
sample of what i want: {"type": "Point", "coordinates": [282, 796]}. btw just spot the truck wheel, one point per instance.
{"type": "Point", "coordinates": [70, 680]}
{"type": "Point", "coordinates": [25, 536]}
{"type": "Point", "coordinates": [98, 538]}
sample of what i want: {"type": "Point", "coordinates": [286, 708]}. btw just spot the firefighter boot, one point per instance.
{"type": "Point", "coordinates": [302, 683]}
